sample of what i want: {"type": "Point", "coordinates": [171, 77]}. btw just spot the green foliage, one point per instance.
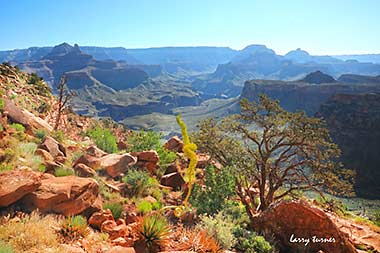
{"type": "Point", "coordinates": [74, 228]}
{"type": "Point", "coordinates": [18, 127]}
{"type": "Point", "coordinates": [139, 183]}
{"type": "Point", "coordinates": [34, 79]}
{"type": "Point", "coordinates": [58, 135]}
{"type": "Point", "coordinates": [115, 207]}
{"type": "Point", "coordinates": [221, 228]}
{"type": "Point", "coordinates": [150, 140]}
{"type": "Point", "coordinates": [250, 242]}
{"type": "Point", "coordinates": [63, 172]}
{"type": "Point", "coordinates": [219, 186]}
{"type": "Point", "coordinates": [265, 143]}
{"type": "Point", "coordinates": [103, 138]}
{"type": "Point", "coordinates": [5, 167]}
{"type": "Point", "coordinates": [376, 217]}
{"type": "Point", "coordinates": [332, 205]}
{"type": "Point", "coordinates": [144, 206]}
{"type": "Point", "coordinates": [1, 127]}
{"type": "Point", "coordinates": [154, 233]}
{"type": "Point", "coordinates": [2, 104]}
{"type": "Point", "coordinates": [44, 107]}
{"type": "Point", "coordinates": [40, 134]}
{"type": "Point", "coordinates": [5, 248]}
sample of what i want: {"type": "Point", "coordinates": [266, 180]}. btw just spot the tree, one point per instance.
{"type": "Point", "coordinates": [64, 96]}
{"type": "Point", "coordinates": [274, 153]}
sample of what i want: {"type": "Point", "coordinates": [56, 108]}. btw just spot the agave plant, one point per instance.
{"type": "Point", "coordinates": [153, 233]}
{"type": "Point", "coordinates": [74, 228]}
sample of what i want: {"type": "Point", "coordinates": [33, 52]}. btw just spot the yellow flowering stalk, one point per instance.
{"type": "Point", "coordinates": [189, 149]}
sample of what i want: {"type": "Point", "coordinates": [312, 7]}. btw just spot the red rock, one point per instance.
{"type": "Point", "coordinates": [147, 159]}
{"type": "Point", "coordinates": [44, 154]}
{"type": "Point", "coordinates": [121, 145]}
{"type": "Point", "coordinates": [95, 151]}
{"type": "Point", "coordinates": [71, 249]}
{"type": "Point", "coordinates": [15, 184]}
{"type": "Point", "coordinates": [90, 161]}
{"type": "Point", "coordinates": [53, 147]}
{"type": "Point", "coordinates": [174, 144]}
{"type": "Point", "coordinates": [174, 167]}
{"type": "Point", "coordinates": [298, 219]}
{"type": "Point", "coordinates": [173, 180]}
{"type": "Point", "coordinates": [96, 220]}
{"type": "Point", "coordinates": [68, 195]}
{"type": "Point", "coordinates": [124, 242]}
{"type": "Point", "coordinates": [203, 160]}
{"type": "Point", "coordinates": [120, 249]}
{"type": "Point", "coordinates": [116, 164]}
{"type": "Point", "coordinates": [83, 170]}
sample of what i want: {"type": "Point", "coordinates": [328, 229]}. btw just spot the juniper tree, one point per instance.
{"type": "Point", "coordinates": [274, 153]}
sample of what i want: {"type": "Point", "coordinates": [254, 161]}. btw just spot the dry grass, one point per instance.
{"type": "Point", "coordinates": [194, 240]}
{"type": "Point", "coordinates": [31, 233]}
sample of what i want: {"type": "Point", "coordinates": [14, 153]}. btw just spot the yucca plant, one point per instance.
{"type": "Point", "coordinates": [74, 228]}
{"type": "Point", "coordinates": [153, 233]}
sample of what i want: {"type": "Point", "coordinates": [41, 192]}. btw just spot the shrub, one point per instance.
{"type": "Point", "coordinates": [2, 104]}
{"type": "Point", "coordinates": [58, 135]}
{"type": "Point", "coordinates": [139, 182]}
{"type": "Point", "coordinates": [74, 228]}
{"type": "Point", "coordinates": [147, 140]}
{"type": "Point", "coordinates": [18, 127]}
{"type": "Point", "coordinates": [5, 248]}
{"type": "Point", "coordinates": [34, 78]}
{"type": "Point", "coordinates": [115, 207]}
{"type": "Point", "coordinates": [153, 233]}
{"type": "Point", "coordinates": [44, 107]}
{"type": "Point", "coordinates": [196, 241]}
{"type": "Point", "coordinates": [32, 233]}
{"type": "Point", "coordinates": [40, 134]}
{"type": "Point", "coordinates": [5, 167]}
{"type": "Point", "coordinates": [253, 243]}
{"type": "Point", "coordinates": [221, 228]}
{"type": "Point", "coordinates": [103, 138]}
{"type": "Point", "coordinates": [144, 206]}
{"type": "Point", "coordinates": [63, 172]}
{"type": "Point", "coordinates": [219, 187]}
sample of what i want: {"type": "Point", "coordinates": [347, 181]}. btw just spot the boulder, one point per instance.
{"type": "Point", "coordinates": [83, 170]}
{"type": "Point", "coordinates": [116, 164]}
{"type": "Point", "coordinates": [53, 147]}
{"type": "Point", "coordinates": [68, 195]}
{"type": "Point", "coordinates": [24, 117]}
{"type": "Point", "coordinates": [300, 227]}
{"type": "Point", "coordinates": [96, 220]}
{"type": "Point", "coordinates": [174, 167]}
{"type": "Point", "coordinates": [174, 144]}
{"type": "Point", "coordinates": [15, 184]}
{"type": "Point", "coordinates": [173, 180]}
{"type": "Point", "coordinates": [44, 154]}
{"type": "Point", "coordinates": [95, 151]}
{"type": "Point", "coordinates": [147, 159]}
{"type": "Point", "coordinates": [91, 161]}
{"type": "Point", "coordinates": [120, 249]}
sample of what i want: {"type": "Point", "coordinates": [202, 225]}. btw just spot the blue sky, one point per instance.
{"type": "Point", "coordinates": [320, 27]}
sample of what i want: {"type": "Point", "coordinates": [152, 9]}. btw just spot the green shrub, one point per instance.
{"type": "Point", "coordinates": [139, 183]}
{"type": "Point", "coordinates": [74, 228]}
{"type": "Point", "coordinates": [1, 127]}
{"type": "Point", "coordinates": [115, 207]}
{"type": "Point", "coordinates": [250, 242]}
{"type": "Point", "coordinates": [144, 207]}
{"type": "Point", "coordinates": [5, 248]}
{"type": "Point", "coordinates": [376, 217]}
{"type": "Point", "coordinates": [153, 233]}
{"type": "Point", "coordinates": [63, 172]}
{"type": "Point", "coordinates": [40, 134]}
{"type": "Point", "coordinates": [34, 79]}
{"type": "Point", "coordinates": [2, 104]}
{"type": "Point", "coordinates": [44, 107]}
{"type": "Point", "coordinates": [219, 187]}
{"type": "Point", "coordinates": [147, 140]}
{"type": "Point", "coordinates": [18, 127]}
{"type": "Point", "coordinates": [221, 228]}
{"type": "Point", "coordinates": [104, 139]}
{"type": "Point", "coordinates": [58, 135]}
{"type": "Point", "coordinates": [5, 167]}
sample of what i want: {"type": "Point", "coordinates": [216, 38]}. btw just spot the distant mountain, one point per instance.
{"type": "Point", "coordinates": [359, 79]}
{"type": "Point", "coordinates": [110, 53]}
{"type": "Point", "coordinates": [318, 77]}
{"type": "Point", "coordinates": [374, 58]}
{"type": "Point", "coordinates": [175, 59]}
{"type": "Point", "coordinates": [301, 95]}
{"type": "Point", "coordinates": [302, 56]}
{"type": "Point", "coordinates": [20, 55]}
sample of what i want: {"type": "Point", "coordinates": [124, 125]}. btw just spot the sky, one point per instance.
{"type": "Point", "coordinates": [320, 27]}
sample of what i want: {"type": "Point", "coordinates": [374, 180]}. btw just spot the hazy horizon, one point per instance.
{"type": "Point", "coordinates": [320, 27]}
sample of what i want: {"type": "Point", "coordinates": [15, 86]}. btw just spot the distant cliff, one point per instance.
{"type": "Point", "coordinates": [354, 123]}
